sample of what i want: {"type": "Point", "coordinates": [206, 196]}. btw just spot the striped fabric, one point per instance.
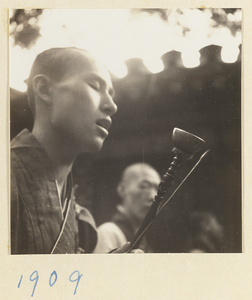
{"type": "Point", "coordinates": [36, 210]}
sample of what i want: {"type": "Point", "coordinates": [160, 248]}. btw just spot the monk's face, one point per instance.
{"type": "Point", "coordinates": [140, 191]}
{"type": "Point", "coordinates": [83, 104]}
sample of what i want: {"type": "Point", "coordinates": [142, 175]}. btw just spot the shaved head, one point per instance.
{"type": "Point", "coordinates": [56, 64]}
{"type": "Point", "coordinates": [137, 189]}
{"type": "Point", "coordinates": [138, 170]}
{"type": "Point", "coordinates": [71, 96]}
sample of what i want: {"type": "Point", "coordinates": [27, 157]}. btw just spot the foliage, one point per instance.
{"type": "Point", "coordinates": [25, 29]}
{"type": "Point", "coordinates": [24, 26]}
{"type": "Point", "coordinates": [221, 17]}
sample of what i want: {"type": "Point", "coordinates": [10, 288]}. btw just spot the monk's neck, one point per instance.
{"type": "Point", "coordinates": [59, 152]}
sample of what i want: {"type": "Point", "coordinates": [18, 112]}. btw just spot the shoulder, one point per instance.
{"type": "Point", "coordinates": [110, 229]}
{"type": "Point", "coordinates": [110, 237]}
{"type": "Point", "coordinates": [108, 226]}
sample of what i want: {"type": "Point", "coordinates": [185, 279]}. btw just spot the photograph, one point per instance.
{"type": "Point", "coordinates": [126, 150]}
{"type": "Point", "coordinates": [125, 131]}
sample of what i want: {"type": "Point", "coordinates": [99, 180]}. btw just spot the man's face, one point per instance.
{"type": "Point", "coordinates": [83, 105]}
{"type": "Point", "coordinates": [139, 193]}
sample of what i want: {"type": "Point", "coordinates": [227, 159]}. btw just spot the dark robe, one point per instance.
{"type": "Point", "coordinates": [37, 215]}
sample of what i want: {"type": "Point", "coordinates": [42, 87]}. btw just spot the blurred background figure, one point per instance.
{"type": "Point", "coordinates": [205, 233]}
{"type": "Point", "coordinates": [136, 189]}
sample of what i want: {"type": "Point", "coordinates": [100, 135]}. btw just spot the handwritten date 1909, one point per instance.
{"type": "Point", "coordinates": [74, 277]}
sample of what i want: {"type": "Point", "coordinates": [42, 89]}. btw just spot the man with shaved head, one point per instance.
{"type": "Point", "coordinates": [137, 189]}
{"type": "Point", "coordinates": [71, 97]}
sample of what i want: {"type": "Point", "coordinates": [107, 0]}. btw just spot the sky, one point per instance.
{"type": "Point", "coordinates": [115, 35]}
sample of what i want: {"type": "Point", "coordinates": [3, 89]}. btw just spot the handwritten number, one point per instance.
{"type": "Point", "coordinates": [76, 279]}
{"type": "Point", "coordinates": [21, 277]}
{"type": "Point", "coordinates": [34, 279]}
{"type": "Point", "coordinates": [55, 278]}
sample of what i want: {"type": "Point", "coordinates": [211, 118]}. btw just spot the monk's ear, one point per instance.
{"type": "Point", "coordinates": [41, 87]}
{"type": "Point", "coordinates": [121, 190]}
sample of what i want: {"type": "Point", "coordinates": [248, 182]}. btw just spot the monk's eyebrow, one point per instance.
{"type": "Point", "coordinates": [102, 82]}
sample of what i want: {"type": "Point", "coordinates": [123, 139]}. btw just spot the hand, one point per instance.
{"type": "Point", "coordinates": [125, 248]}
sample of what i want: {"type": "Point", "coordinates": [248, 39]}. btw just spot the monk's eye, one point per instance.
{"type": "Point", "coordinates": [95, 85]}
{"type": "Point", "coordinates": [145, 185]}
